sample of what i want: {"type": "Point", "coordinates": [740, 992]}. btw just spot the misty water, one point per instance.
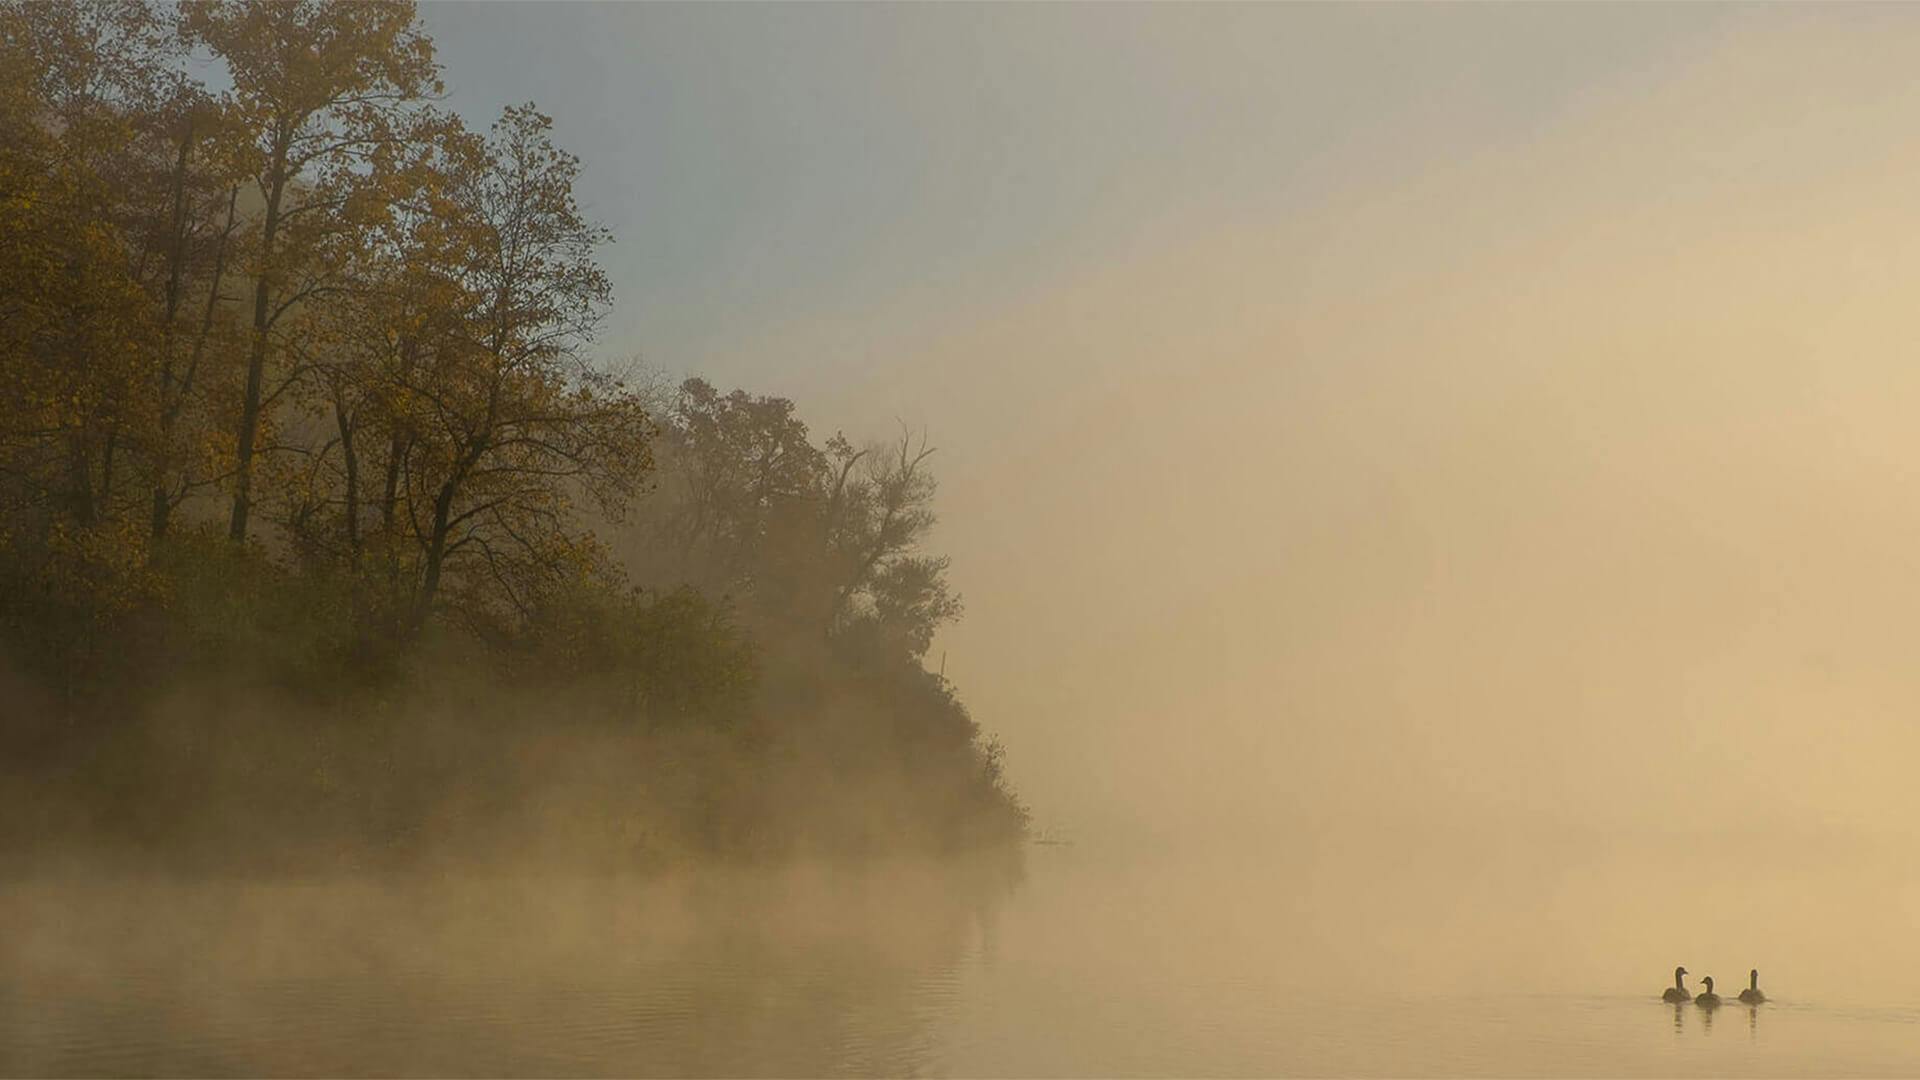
{"type": "Point", "coordinates": [1085, 959]}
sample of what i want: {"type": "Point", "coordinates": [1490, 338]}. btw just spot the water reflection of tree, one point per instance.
{"type": "Point", "coordinates": [845, 976]}
{"type": "Point", "coordinates": [824, 971]}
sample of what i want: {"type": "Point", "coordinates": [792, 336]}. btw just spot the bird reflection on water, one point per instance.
{"type": "Point", "coordinates": [1706, 1019]}
{"type": "Point", "coordinates": [1705, 1013]}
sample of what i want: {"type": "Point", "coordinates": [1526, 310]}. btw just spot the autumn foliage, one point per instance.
{"type": "Point", "coordinates": [306, 466]}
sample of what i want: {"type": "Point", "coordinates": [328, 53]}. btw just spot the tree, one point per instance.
{"type": "Point", "coordinates": [744, 462]}
{"type": "Point", "coordinates": [199, 339]}
{"type": "Point", "coordinates": [820, 541]}
{"type": "Point", "coordinates": [126, 171]}
{"type": "Point", "coordinates": [401, 301]}
{"type": "Point", "coordinates": [322, 88]}
{"type": "Point", "coordinates": [80, 104]}
{"type": "Point", "coordinates": [505, 425]}
{"type": "Point", "coordinates": [82, 95]}
{"type": "Point", "coordinates": [880, 514]}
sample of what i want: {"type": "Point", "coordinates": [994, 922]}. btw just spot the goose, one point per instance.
{"type": "Point", "coordinates": [1678, 991]}
{"type": "Point", "coordinates": [1708, 999]}
{"type": "Point", "coordinates": [1752, 995]}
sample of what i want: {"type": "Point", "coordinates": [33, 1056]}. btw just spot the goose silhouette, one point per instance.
{"type": "Point", "coordinates": [1752, 995]}
{"type": "Point", "coordinates": [1708, 999]}
{"type": "Point", "coordinates": [1678, 991]}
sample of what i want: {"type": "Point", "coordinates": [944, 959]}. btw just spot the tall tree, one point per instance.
{"type": "Point", "coordinates": [878, 519]}
{"type": "Point", "coordinates": [80, 90]}
{"type": "Point", "coordinates": [828, 542]}
{"type": "Point", "coordinates": [322, 88]}
{"type": "Point", "coordinates": [744, 460]}
{"type": "Point", "coordinates": [198, 241]}
{"type": "Point", "coordinates": [508, 425]}
{"type": "Point", "coordinates": [400, 301]}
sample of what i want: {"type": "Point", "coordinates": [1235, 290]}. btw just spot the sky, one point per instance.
{"type": "Point", "coordinates": [1493, 417]}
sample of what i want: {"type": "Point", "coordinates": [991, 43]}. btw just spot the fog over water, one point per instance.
{"type": "Point", "coordinates": [1489, 415]}
{"type": "Point", "coordinates": [1435, 493]}
{"type": "Point", "coordinates": [1090, 962]}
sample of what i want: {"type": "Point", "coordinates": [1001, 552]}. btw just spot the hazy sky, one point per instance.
{"type": "Point", "coordinates": [1464, 414]}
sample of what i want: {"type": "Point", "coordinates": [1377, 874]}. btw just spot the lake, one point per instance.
{"type": "Point", "coordinates": [1390, 958]}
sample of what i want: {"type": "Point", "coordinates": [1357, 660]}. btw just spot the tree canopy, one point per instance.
{"type": "Point", "coordinates": [297, 387]}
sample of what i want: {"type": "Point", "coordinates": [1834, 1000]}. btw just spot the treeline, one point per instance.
{"type": "Point", "coordinates": [321, 531]}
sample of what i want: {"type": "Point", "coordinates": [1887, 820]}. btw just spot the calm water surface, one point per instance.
{"type": "Point", "coordinates": [1080, 962]}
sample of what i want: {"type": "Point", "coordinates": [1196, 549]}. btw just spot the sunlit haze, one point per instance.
{"type": "Point", "coordinates": [991, 539]}
{"type": "Point", "coordinates": [1493, 416]}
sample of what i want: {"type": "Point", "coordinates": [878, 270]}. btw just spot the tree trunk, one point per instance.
{"type": "Point", "coordinates": [436, 553]}
{"type": "Point", "coordinates": [80, 479]}
{"type": "Point", "coordinates": [256, 360]}
{"type": "Point", "coordinates": [177, 257]}
{"type": "Point", "coordinates": [343, 419]}
{"type": "Point", "coordinates": [176, 263]}
{"type": "Point", "coordinates": [106, 471]}
{"type": "Point", "coordinates": [390, 492]}
{"type": "Point", "coordinates": [162, 498]}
